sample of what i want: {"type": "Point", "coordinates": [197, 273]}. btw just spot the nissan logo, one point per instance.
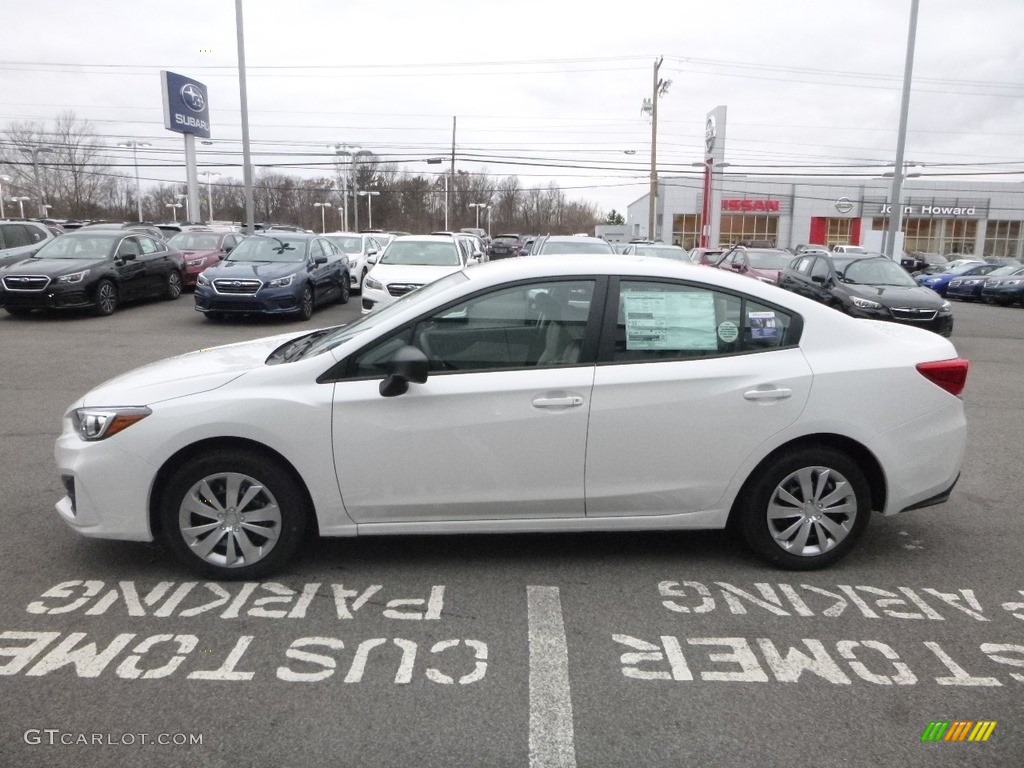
{"type": "Point", "coordinates": [710, 133]}
{"type": "Point", "coordinates": [844, 205]}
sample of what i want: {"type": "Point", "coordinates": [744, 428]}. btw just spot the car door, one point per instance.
{"type": "Point", "coordinates": [155, 265]}
{"type": "Point", "coordinates": [130, 268]}
{"type": "Point", "coordinates": [691, 382]}
{"type": "Point", "coordinates": [319, 274]}
{"type": "Point", "coordinates": [497, 432]}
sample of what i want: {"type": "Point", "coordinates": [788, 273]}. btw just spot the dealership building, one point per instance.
{"type": "Point", "coordinates": [939, 216]}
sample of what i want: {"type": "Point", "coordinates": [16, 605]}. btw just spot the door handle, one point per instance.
{"type": "Point", "coordinates": [775, 393]}
{"type": "Point", "coordinates": [567, 401]}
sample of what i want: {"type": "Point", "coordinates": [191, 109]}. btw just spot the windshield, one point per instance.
{"type": "Point", "coordinates": [422, 252]}
{"type": "Point", "coordinates": [346, 243]}
{"type": "Point", "coordinates": [663, 253]}
{"type": "Point", "coordinates": [962, 268]}
{"type": "Point", "coordinates": [576, 246]}
{"type": "Point", "coordinates": [192, 241]}
{"type": "Point", "coordinates": [881, 271]}
{"type": "Point", "coordinates": [421, 295]}
{"type": "Point", "coordinates": [1002, 271]}
{"type": "Point", "coordinates": [270, 248]}
{"type": "Point", "coordinates": [769, 259]}
{"type": "Point", "coordinates": [79, 247]}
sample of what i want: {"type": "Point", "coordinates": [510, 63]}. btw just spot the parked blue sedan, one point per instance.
{"type": "Point", "coordinates": [969, 288]}
{"type": "Point", "coordinates": [940, 282]}
{"type": "Point", "coordinates": [286, 273]}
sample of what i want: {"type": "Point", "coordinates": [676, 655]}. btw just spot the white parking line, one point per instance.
{"type": "Point", "coordinates": [551, 730]}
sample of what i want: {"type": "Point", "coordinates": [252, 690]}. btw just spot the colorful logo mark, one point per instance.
{"type": "Point", "coordinates": [958, 730]}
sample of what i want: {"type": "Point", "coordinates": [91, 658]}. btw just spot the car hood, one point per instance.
{"type": "Point", "coordinates": [202, 253]}
{"type": "Point", "coordinates": [247, 270]}
{"type": "Point", "coordinates": [187, 374]}
{"type": "Point", "coordinates": [897, 295]}
{"type": "Point", "coordinates": [410, 273]}
{"type": "Point", "coordinates": [771, 275]}
{"type": "Point", "coordinates": [995, 280]}
{"type": "Point", "coordinates": [52, 267]}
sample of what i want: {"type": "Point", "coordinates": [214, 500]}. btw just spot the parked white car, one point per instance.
{"type": "Point", "coordinates": [360, 249]}
{"type": "Point", "coordinates": [409, 262]}
{"type": "Point", "coordinates": [594, 394]}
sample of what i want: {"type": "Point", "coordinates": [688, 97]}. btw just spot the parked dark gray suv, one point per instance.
{"type": "Point", "coordinates": [21, 239]}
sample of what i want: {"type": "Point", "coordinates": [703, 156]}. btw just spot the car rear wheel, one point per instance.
{"type": "Point", "coordinates": [344, 290]}
{"type": "Point", "coordinates": [232, 514]}
{"type": "Point", "coordinates": [175, 285]}
{"type": "Point", "coordinates": [806, 509]}
{"type": "Point", "coordinates": [106, 298]}
{"type": "Point", "coordinates": [306, 304]}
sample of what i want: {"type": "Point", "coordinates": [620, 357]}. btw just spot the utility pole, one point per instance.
{"type": "Point", "coordinates": [450, 188]}
{"type": "Point", "coordinates": [659, 89]}
{"type": "Point", "coordinates": [896, 197]}
{"type": "Point", "coordinates": [250, 210]}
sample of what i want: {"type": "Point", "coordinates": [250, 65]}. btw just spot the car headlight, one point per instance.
{"type": "Point", "coordinates": [281, 282]}
{"type": "Point", "coordinates": [946, 307]}
{"type": "Point", "coordinates": [94, 424]}
{"type": "Point", "coordinates": [1013, 282]}
{"type": "Point", "coordinates": [202, 280]}
{"type": "Point", "coordinates": [865, 303]}
{"type": "Point", "coordinates": [75, 277]}
{"type": "Point", "coordinates": [374, 284]}
{"type": "Point", "coordinates": [195, 262]}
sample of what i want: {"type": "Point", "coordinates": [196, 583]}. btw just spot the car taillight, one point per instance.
{"type": "Point", "coordinates": [951, 375]}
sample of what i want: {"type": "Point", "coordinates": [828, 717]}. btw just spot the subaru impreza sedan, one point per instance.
{"type": "Point", "coordinates": [595, 394]}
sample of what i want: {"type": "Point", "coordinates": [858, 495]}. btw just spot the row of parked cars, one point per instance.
{"type": "Point", "coordinates": [279, 270]}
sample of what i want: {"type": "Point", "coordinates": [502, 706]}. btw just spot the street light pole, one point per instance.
{"type": "Point", "coordinates": [2, 179]}
{"type": "Point", "coordinates": [369, 195]}
{"type": "Point", "coordinates": [323, 220]}
{"type": "Point", "coordinates": [39, 186]}
{"type": "Point", "coordinates": [660, 89]}
{"type": "Point", "coordinates": [489, 207]}
{"type": "Point", "coordinates": [478, 206]}
{"type": "Point", "coordinates": [188, 212]}
{"type": "Point", "coordinates": [209, 193]}
{"type": "Point", "coordinates": [174, 209]}
{"type": "Point", "coordinates": [135, 155]}
{"type": "Point", "coordinates": [21, 204]}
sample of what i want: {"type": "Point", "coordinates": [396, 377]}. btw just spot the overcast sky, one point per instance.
{"type": "Point", "coordinates": [558, 84]}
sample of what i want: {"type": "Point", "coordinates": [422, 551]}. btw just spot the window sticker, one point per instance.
{"type": "Point", "coordinates": [763, 325]}
{"type": "Point", "coordinates": [662, 320]}
{"type": "Point", "coordinates": [728, 332]}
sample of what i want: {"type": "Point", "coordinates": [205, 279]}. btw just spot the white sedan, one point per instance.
{"type": "Point", "coordinates": [409, 262]}
{"type": "Point", "coordinates": [595, 394]}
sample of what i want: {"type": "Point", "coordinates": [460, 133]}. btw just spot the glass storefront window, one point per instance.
{"type": "Point", "coordinates": [1003, 238]}
{"type": "Point", "coordinates": [839, 232]}
{"type": "Point", "coordinates": [686, 230]}
{"type": "Point", "coordinates": [736, 228]}
{"type": "Point", "coordinates": [943, 236]}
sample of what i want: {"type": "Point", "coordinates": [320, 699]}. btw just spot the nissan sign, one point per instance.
{"type": "Point", "coordinates": [186, 105]}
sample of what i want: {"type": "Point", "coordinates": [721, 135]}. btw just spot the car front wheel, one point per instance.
{"type": "Point", "coordinates": [306, 304]}
{"type": "Point", "coordinates": [106, 298]}
{"type": "Point", "coordinates": [806, 509]}
{"type": "Point", "coordinates": [175, 285]}
{"type": "Point", "coordinates": [233, 515]}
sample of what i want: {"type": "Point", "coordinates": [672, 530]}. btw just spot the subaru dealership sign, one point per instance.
{"type": "Point", "coordinates": [186, 106]}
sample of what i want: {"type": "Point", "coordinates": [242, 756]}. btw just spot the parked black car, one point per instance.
{"type": "Point", "coordinates": [92, 268]}
{"type": "Point", "coordinates": [504, 246]}
{"type": "Point", "coordinates": [1004, 289]}
{"type": "Point", "coordinates": [275, 273]}
{"type": "Point", "coordinates": [873, 287]}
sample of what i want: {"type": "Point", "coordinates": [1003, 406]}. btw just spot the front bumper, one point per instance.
{"type": "Point", "coordinates": [267, 301]}
{"type": "Point", "coordinates": [374, 298]}
{"type": "Point", "coordinates": [941, 324]}
{"type": "Point", "coordinates": [1003, 294]}
{"type": "Point", "coordinates": [108, 488]}
{"type": "Point", "coordinates": [54, 296]}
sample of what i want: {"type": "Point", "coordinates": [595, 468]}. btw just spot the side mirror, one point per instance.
{"type": "Point", "coordinates": [372, 258]}
{"type": "Point", "coordinates": [126, 256]}
{"type": "Point", "coordinates": [408, 364]}
{"type": "Point", "coordinates": [319, 260]}
{"type": "Point", "coordinates": [818, 279]}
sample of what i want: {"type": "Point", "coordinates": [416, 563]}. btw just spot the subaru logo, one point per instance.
{"type": "Point", "coordinates": [193, 98]}
{"type": "Point", "coordinates": [236, 284]}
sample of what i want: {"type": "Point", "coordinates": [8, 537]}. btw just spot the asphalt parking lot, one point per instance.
{"type": "Point", "coordinates": [569, 650]}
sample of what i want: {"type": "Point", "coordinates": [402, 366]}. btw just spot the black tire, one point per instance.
{"type": "Point", "coordinates": [362, 281]}
{"type": "Point", "coordinates": [279, 505]}
{"type": "Point", "coordinates": [306, 304]}
{"type": "Point", "coordinates": [345, 290]}
{"type": "Point", "coordinates": [106, 298]}
{"type": "Point", "coordinates": [18, 311]}
{"type": "Point", "coordinates": [777, 535]}
{"type": "Point", "coordinates": [175, 285]}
